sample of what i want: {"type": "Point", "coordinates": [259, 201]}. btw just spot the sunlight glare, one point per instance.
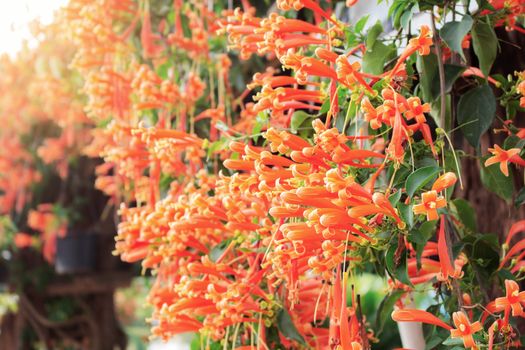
{"type": "Point", "coordinates": [16, 16]}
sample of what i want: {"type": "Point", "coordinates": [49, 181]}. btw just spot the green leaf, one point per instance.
{"type": "Point", "coordinates": [373, 34]}
{"type": "Point", "coordinates": [495, 181]}
{"type": "Point", "coordinates": [287, 328]}
{"type": "Point", "coordinates": [407, 214]}
{"type": "Point", "coordinates": [427, 66]}
{"type": "Point", "coordinates": [396, 262]}
{"type": "Point", "coordinates": [420, 236]}
{"type": "Point", "coordinates": [485, 4]}
{"type": "Point", "coordinates": [476, 111]}
{"type": "Point", "coordinates": [260, 121]}
{"type": "Point", "coordinates": [428, 71]}
{"type": "Point", "coordinates": [453, 33]}
{"type": "Point", "coordinates": [483, 251]}
{"type": "Point", "coordinates": [485, 43]}
{"type": "Point", "coordinates": [453, 341]}
{"type": "Point", "coordinates": [420, 178]}
{"type": "Point", "coordinates": [452, 73]}
{"type": "Point", "coordinates": [361, 23]}
{"type": "Point", "coordinates": [466, 214]}
{"type": "Point", "coordinates": [385, 309]}
{"type": "Point", "coordinates": [324, 107]}
{"type": "Point", "coordinates": [406, 18]}
{"type": "Point", "coordinates": [298, 118]}
{"type": "Point", "coordinates": [375, 58]}
{"type": "Point", "coordinates": [217, 146]}
{"type": "Point", "coordinates": [427, 229]}
{"type": "Point", "coordinates": [505, 274]}
{"type": "Point", "coordinates": [394, 198]}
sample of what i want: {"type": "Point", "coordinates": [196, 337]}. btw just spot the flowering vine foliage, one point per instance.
{"type": "Point", "coordinates": [44, 131]}
{"type": "Point", "coordinates": [265, 156]}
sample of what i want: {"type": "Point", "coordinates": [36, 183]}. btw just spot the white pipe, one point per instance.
{"type": "Point", "coordinates": [411, 332]}
{"type": "Point", "coordinates": [412, 335]}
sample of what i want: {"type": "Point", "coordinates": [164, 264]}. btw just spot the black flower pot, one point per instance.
{"type": "Point", "coordinates": [4, 274]}
{"type": "Point", "coordinates": [76, 253]}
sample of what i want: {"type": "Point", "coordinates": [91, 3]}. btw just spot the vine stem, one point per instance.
{"type": "Point", "coordinates": [442, 94]}
{"type": "Point", "coordinates": [441, 69]}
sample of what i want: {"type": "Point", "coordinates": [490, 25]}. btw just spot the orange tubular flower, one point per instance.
{"type": "Point", "coordinates": [414, 315]}
{"type": "Point", "coordinates": [371, 114]}
{"type": "Point", "coordinates": [416, 110]}
{"type": "Point", "coordinates": [429, 205]}
{"type": "Point", "coordinates": [444, 181]}
{"type": "Point", "coordinates": [515, 229]}
{"type": "Point", "coordinates": [503, 157]}
{"type": "Point", "coordinates": [464, 329]}
{"type": "Point", "coordinates": [513, 300]}
{"type": "Point", "coordinates": [477, 72]}
{"type": "Point", "coordinates": [421, 44]}
{"type": "Point", "coordinates": [286, 5]}
{"type": "Point", "coordinates": [23, 240]}
{"type": "Point", "coordinates": [150, 49]}
{"type": "Point", "coordinates": [447, 270]}
{"type": "Point", "coordinates": [306, 66]}
{"type": "Point", "coordinates": [349, 74]}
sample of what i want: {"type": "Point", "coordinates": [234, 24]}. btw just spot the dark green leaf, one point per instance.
{"type": "Point", "coordinates": [396, 262]}
{"type": "Point", "coordinates": [407, 214]}
{"type": "Point", "coordinates": [485, 43]}
{"type": "Point", "coordinates": [466, 214]}
{"type": "Point", "coordinates": [495, 181]}
{"type": "Point", "coordinates": [420, 178]}
{"type": "Point", "coordinates": [420, 236]}
{"type": "Point", "coordinates": [429, 76]}
{"type": "Point", "coordinates": [511, 142]}
{"type": "Point", "coordinates": [427, 229]}
{"type": "Point", "coordinates": [454, 32]}
{"type": "Point", "coordinates": [483, 251]}
{"type": "Point", "coordinates": [485, 4]}
{"type": "Point", "coordinates": [287, 328]}
{"type": "Point", "coordinates": [436, 336]}
{"type": "Point", "coordinates": [452, 73]}
{"type": "Point", "coordinates": [520, 199]}
{"type": "Point", "coordinates": [385, 309]}
{"type": "Point", "coordinates": [505, 274]}
{"type": "Point", "coordinates": [476, 111]}
{"type": "Point", "coordinates": [394, 198]}
{"type": "Point", "coordinates": [428, 72]}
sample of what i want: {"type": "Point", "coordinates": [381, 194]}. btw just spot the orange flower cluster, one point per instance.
{"type": "Point", "coordinates": [257, 183]}
{"type": "Point", "coordinates": [246, 216]}
{"type": "Point", "coordinates": [43, 124]}
{"type": "Point", "coordinates": [50, 225]}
